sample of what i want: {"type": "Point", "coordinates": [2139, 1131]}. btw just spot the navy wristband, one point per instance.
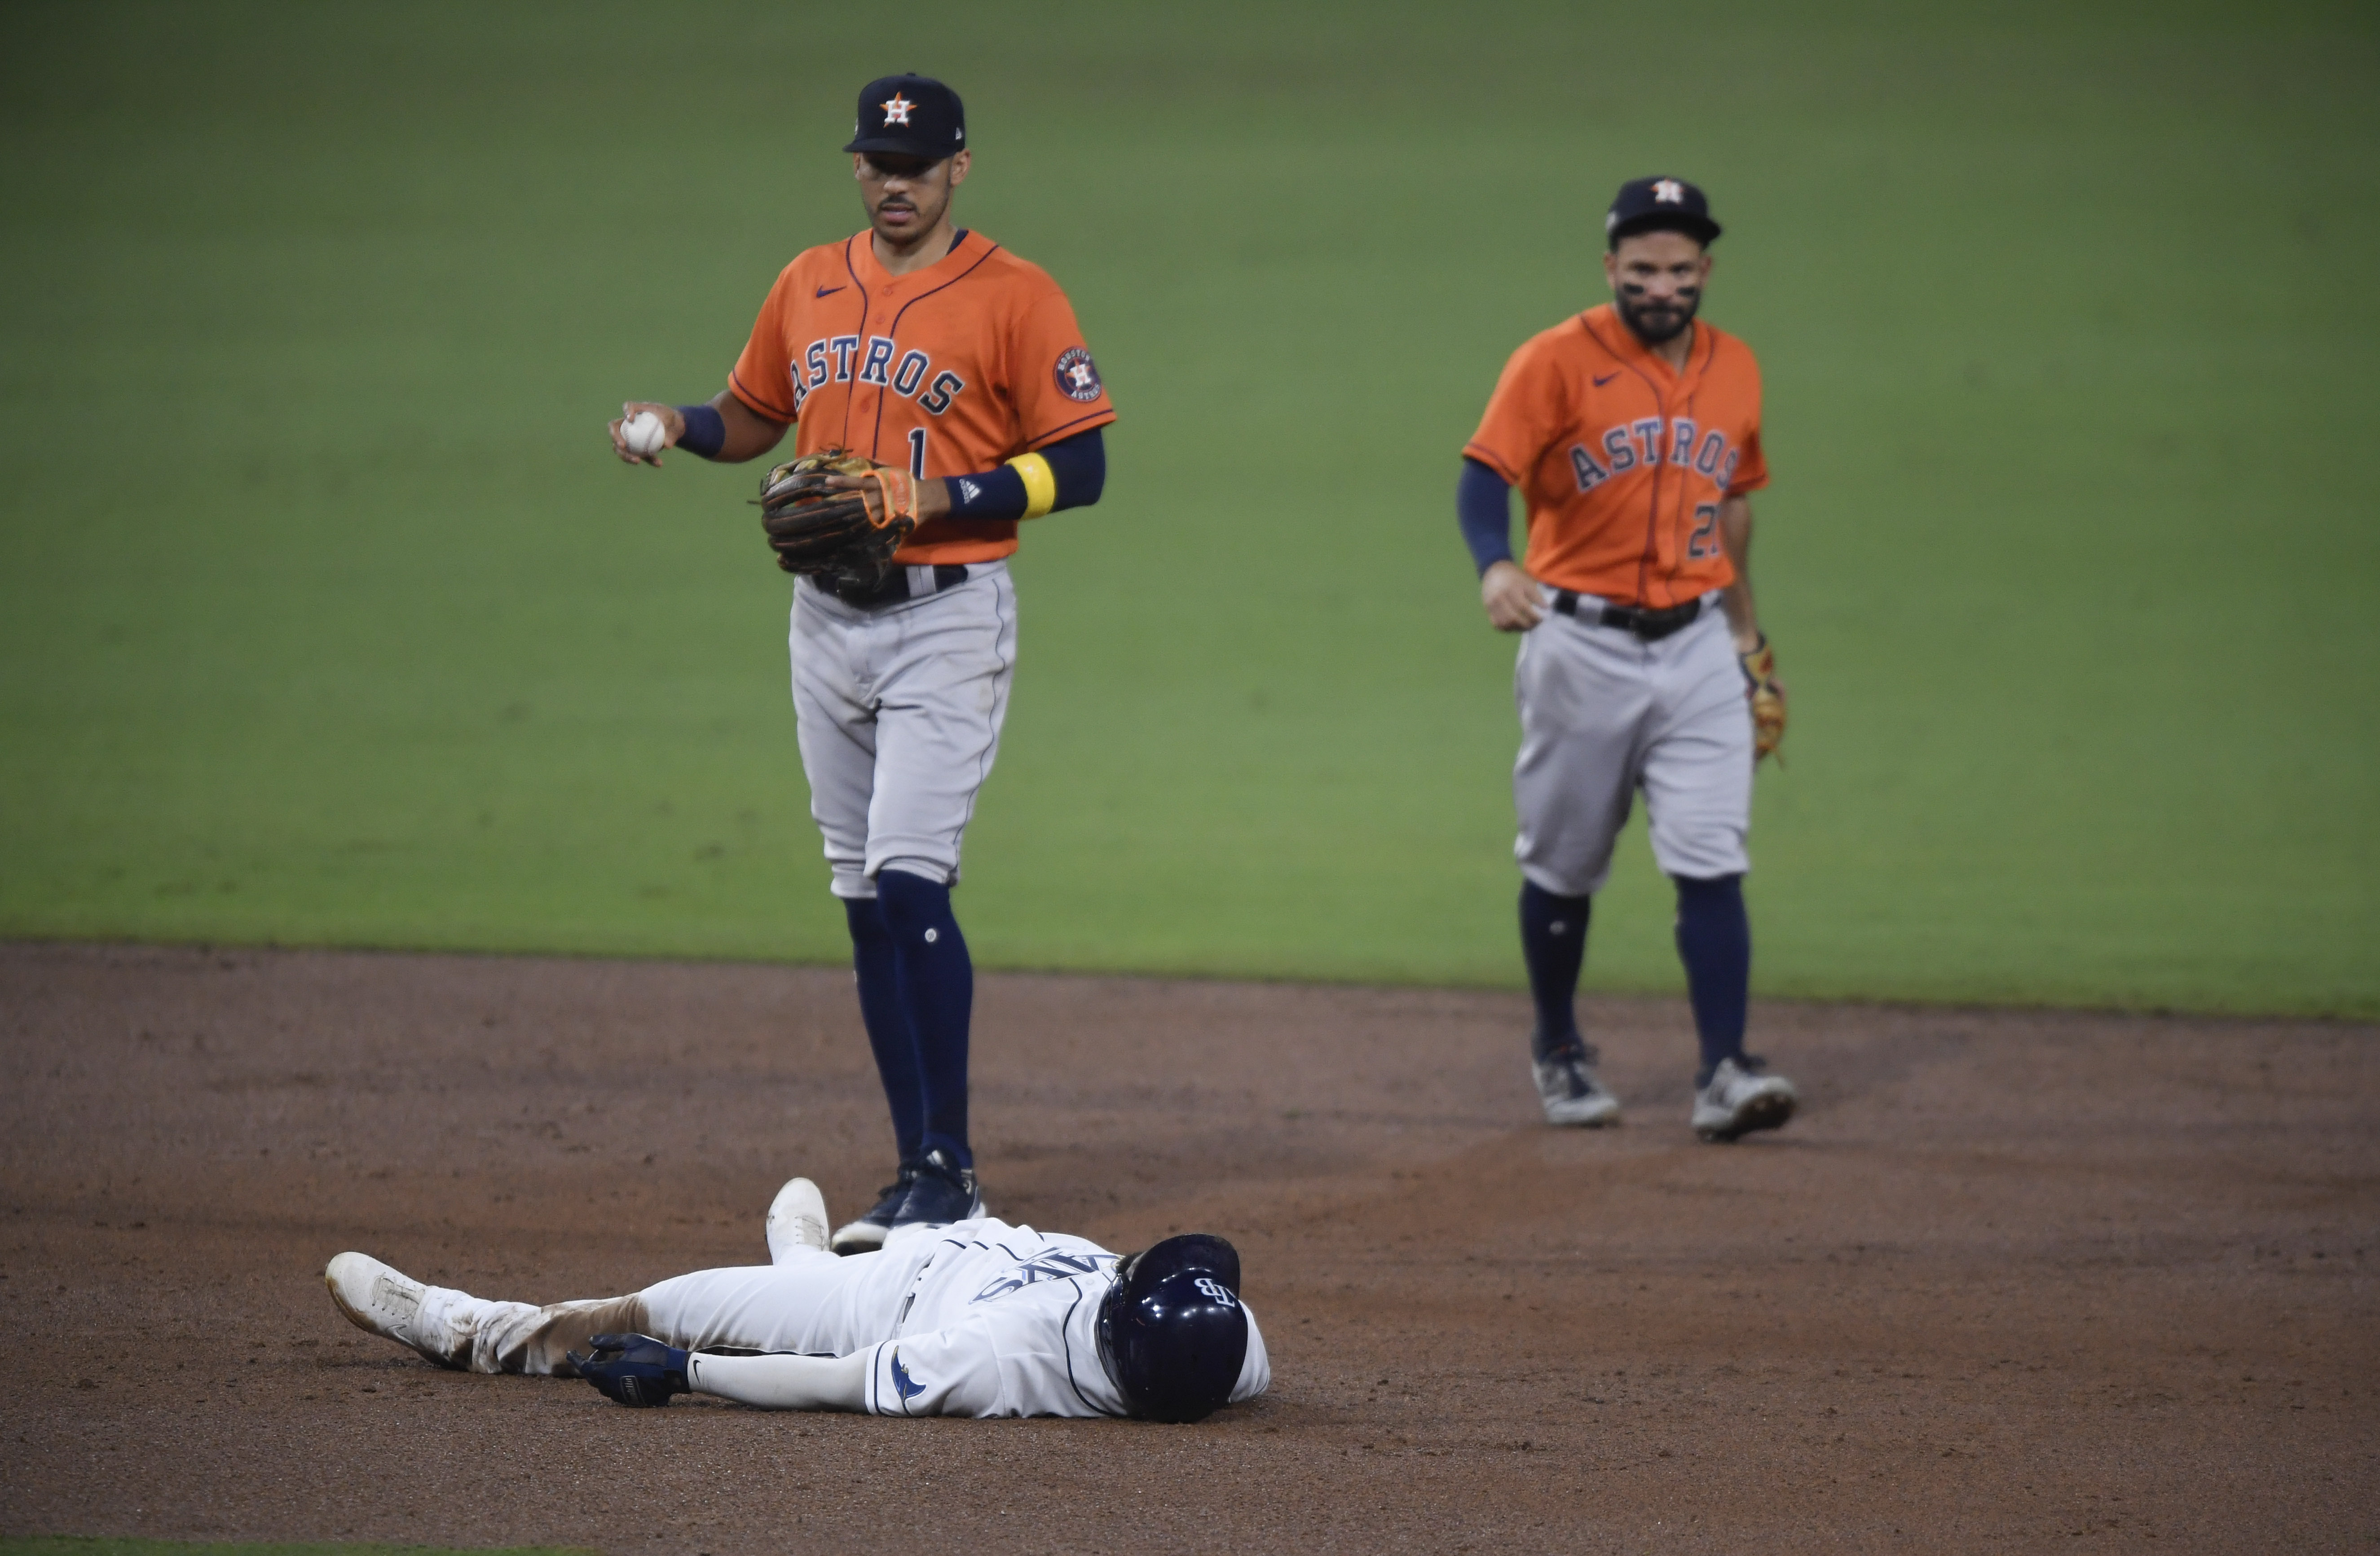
{"type": "Point", "coordinates": [992, 495]}
{"type": "Point", "coordinates": [706, 431]}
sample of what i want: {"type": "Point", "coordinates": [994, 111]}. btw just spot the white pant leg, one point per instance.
{"type": "Point", "coordinates": [814, 1303]}
{"type": "Point", "coordinates": [1586, 696]}
{"type": "Point", "coordinates": [480, 1335]}
{"type": "Point", "coordinates": [900, 711]}
{"type": "Point", "coordinates": [835, 720]}
{"type": "Point", "coordinates": [1697, 763]}
{"type": "Point", "coordinates": [940, 709]}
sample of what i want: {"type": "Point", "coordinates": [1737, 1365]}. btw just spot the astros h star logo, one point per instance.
{"type": "Point", "coordinates": [896, 109]}
{"type": "Point", "coordinates": [1669, 191]}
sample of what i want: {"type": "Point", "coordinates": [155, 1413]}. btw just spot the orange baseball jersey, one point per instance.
{"type": "Point", "coordinates": [1622, 461]}
{"type": "Point", "coordinates": [947, 370]}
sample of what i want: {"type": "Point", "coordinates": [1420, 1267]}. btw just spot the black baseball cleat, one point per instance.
{"type": "Point", "coordinates": [867, 1233]}
{"type": "Point", "coordinates": [943, 1192]}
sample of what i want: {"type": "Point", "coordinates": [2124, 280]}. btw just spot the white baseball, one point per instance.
{"type": "Point", "coordinates": [644, 433]}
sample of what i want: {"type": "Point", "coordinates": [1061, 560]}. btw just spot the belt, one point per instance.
{"type": "Point", "coordinates": [893, 587]}
{"type": "Point", "coordinates": [1651, 625]}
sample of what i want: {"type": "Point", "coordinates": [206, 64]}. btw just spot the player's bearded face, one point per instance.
{"type": "Point", "coordinates": [1656, 282]}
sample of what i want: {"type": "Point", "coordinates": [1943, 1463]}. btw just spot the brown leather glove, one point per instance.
{"type": "Point", "coordinates": [1768, 700]}
{"type": "Point", "coordinates": [815, 529]}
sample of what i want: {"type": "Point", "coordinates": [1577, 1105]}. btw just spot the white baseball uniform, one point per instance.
{"type": "Point", "coordinates": [977, 1319]}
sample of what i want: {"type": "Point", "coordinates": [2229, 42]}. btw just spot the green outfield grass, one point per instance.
{"type": "Point", "coordinates": [325, 616]}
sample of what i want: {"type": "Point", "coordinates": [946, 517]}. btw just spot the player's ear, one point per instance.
{"type": "Point", "coordinates": [960, 163]}
{"type": "Point", "coordinates": [1612, 269]}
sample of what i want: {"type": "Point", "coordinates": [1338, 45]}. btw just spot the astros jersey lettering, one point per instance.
{"type": "Point", "coordinates": [1624, 462]}
{"type": "Point", "coordinates": [945, 371]}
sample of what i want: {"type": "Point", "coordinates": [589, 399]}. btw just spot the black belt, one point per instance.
{"type": "Point", "coordinates": [1651, 625]}
{"type": "Point", "coordinates": [892, 587]}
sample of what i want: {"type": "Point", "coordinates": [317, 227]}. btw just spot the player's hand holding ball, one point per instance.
{"type": "Point", "coordinates": [644, 428]}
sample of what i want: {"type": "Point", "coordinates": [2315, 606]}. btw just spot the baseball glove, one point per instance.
{"type": "Point", "coordinates": [817, 530]}
{"type": "Point", "coordinates": [633, 1368]}
{"type": "Point", "coordinates": [1768, 700]}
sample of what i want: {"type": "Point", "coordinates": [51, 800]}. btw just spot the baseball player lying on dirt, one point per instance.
{"type": "Point", "coordinates": [978, 1317]}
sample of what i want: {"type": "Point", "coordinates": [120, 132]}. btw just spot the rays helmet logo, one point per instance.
{"type": "Point", "coordinates": [1078, 378]}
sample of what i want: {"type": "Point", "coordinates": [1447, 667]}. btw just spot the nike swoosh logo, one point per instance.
{"type": "Point", "coordinates": [824, 290]}
{"type": "Point", "coordinates": [1598, 382]}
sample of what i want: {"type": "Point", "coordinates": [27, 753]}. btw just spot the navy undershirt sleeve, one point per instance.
{"type": "Point", "coordinates": [1483, 506]}
{"type": "Point", "coordinates": [1078, 465]}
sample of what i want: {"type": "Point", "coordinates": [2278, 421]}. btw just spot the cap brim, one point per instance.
{"type": "Point", "coordinates": [906, 148]}
{"type": "Point", "coordinates": [1701, 228]}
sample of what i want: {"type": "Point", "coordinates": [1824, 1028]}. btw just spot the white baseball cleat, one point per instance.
{"type": "Point", "coordinates": [385, 1302]}
{"type": "Point", "coordinates": [796, 1219]}
{"type": "Point", "coordinates": [1571, 1091]}
{"type": "Point", "coordinates": [1740, 1100]}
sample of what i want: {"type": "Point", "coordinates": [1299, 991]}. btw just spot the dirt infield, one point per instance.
{"type": "Point", "coordinates": [2013, 1280]}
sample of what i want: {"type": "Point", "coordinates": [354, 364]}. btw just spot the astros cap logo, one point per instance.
{"type": "Point", "coordinates": [1669, 191]}
{"type": "Point", "coordinates": [896, 111]}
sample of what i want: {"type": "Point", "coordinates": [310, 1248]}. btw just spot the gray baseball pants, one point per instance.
{"type": "Point", "coordinates": [1605, 713]}
{"type": "Point", "coordinates": [899, 709]}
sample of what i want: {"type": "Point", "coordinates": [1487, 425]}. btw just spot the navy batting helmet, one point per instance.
{"type": "Point", "coordinates": [1173, 1333]}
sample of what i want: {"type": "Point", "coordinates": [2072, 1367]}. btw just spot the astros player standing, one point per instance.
{"type": "Point", "coordinates": [929, 346]}
{"type": "Point", "coordinates": [1634, 434]}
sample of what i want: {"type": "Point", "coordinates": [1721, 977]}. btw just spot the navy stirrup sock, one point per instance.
{"type": "Point", "coordinates": [1715, 942]}
{"type": "Point", "coordinates": [1553, 942]}
{"type": "Point", "coordinates": [937, 984]}
{"type": "Point", "coordinates": [887, 1020]}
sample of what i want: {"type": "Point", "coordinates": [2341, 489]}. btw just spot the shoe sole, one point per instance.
{"type": "Point", "coordinates": [1601, 1118]}
{"type": "Point", "coordinates": [1761, 1113]}
{"type": "Point", "coordinates": [858, 1237]}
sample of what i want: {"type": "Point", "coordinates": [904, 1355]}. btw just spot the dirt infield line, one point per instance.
{"type": "Point", "coordinates": [2014, 1280]}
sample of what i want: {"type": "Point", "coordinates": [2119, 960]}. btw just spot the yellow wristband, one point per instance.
{"type": "Point", "coordinates": [1040, 485]}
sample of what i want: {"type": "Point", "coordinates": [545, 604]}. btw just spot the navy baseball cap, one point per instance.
{"type": "Point", "coordinates": [1659, 205]}
{"type": "Point", "coordinates": [915, 115]}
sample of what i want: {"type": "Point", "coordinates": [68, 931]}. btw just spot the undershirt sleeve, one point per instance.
{"type": "Point", "coordinates": [1483, 507]}
{"type": "Point", "coordinates": [1078, 465]}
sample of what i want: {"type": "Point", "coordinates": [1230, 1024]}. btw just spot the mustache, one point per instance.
{"type": "Point", "coordinates": [1684, 297]}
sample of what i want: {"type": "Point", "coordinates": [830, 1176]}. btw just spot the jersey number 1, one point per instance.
{"type": "Point", "coordinates": [917, 453]}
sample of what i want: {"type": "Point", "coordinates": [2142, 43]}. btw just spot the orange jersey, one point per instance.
{"type": "Point", "coordinates": [946, 371]}
{"type": "Point", "coordinates": [1622, 461]}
